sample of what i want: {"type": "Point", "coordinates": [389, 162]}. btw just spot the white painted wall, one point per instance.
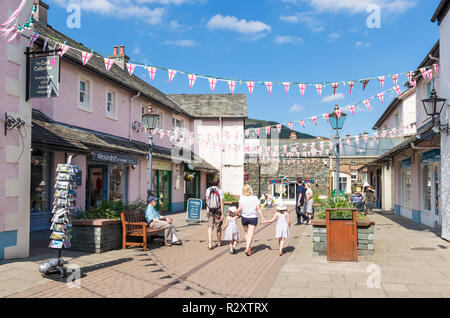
{"type": "Point", "coordinates": [230, 160]}
{"type": "Point", "coordinates": [445, 118]}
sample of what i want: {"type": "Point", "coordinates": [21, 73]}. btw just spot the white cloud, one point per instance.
{"type": "Point", "coordinates": [285, 39]}
{"type": "Point", "coordinates": [136, 50]}
{"type": "Point", "coordinates": [332, 98]}
{"type": "Point", "coordinates": [130, 9]}
{"type": "Point", "coordinates": [289, 19]}
{"type": "Point", "coordinates": [358, 6]}
{"type": "Point", "coordinates": [296, 108]}
{"type": "Point", "coordinates": [219, 22]}
{"type": "Point", "coordinates": [307, 18]}
{"type": "Point", "coordinates": [182, 43]}
{"type": "Point", "coordinates": [333, 36]}
{"type": "Point", "coordinates": [362, 44]}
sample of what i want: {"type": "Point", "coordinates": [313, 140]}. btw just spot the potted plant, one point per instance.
{"type": "Point", "coordinates": [341, 210]}
{"type": "Point", "coordinates": [99, 229]}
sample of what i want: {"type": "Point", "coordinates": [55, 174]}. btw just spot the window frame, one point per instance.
{"type": "Point", "coordinates": [89, 92]}
{"type": "Point", "coordinates": [111, 115]}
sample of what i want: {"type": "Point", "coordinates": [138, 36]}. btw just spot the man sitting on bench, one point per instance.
{"type": "Point", "coordinates": [156, 221]}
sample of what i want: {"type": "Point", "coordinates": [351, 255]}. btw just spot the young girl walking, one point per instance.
{"type": "Point", "coordinates": [283, 223]}
{"type": "Point", "coordinates": [232, 231]}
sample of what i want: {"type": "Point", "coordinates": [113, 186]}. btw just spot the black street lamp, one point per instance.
{"type": "Point", "coordinates": [150, 121]}
{"type": "Point", "coordinates": [433, 107]}
{"type": "Point", "coordinates": [337, 119]}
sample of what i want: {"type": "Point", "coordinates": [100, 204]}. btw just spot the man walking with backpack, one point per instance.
{"type": "Point", "coordinates": [214, 203]}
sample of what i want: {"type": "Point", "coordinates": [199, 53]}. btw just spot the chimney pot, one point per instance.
{"type": "Point", "coordinates": [122, 50]}
{"type": "Point", "coordinates": [116, 50]}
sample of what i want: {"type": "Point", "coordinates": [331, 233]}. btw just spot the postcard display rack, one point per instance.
{"type": "Point", "coordinates": [63, 207]}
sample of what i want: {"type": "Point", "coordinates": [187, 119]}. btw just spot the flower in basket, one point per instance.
{"type": "Point", "coordinates": [188, 176]}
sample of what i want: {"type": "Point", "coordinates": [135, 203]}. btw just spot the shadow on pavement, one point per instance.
{"type": "Point", "coordinates": [410, 224]}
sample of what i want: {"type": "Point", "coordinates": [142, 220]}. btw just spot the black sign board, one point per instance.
{"type": "Point", "coordinates": [43, 77]}
{"type": "Point", "coordinates": [114, 158]}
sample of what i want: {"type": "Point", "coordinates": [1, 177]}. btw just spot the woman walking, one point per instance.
{"type": "Point", "coordinates": [249, 209]}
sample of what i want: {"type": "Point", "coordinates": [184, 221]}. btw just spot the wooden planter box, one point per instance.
{"type": "Point", "coordinates": [96, 236]}
{"type": "Point", "coordinates": [365, 237]}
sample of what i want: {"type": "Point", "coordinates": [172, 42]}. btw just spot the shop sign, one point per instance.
{"type": "Point", "coordinates": [43, 78]}
{"type": "Point", "coordinates": [114, 158]}
{"type": "Point", "coordinates": [431, 156]}
{"type": "Point", "coordinates": [194, 210]}
{"type": "Point", "coordinates": [161, 165]}
{"type": "Point", "coordinates": [406, 164]}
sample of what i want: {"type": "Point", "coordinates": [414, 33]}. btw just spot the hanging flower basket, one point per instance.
{"type": "Point", "coordinates": [188, 176]}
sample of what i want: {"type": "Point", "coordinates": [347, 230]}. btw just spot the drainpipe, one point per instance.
{"type": "Point", "coordinates": [431, 57]}
{"type": "Point", "coordinates": [131, 103]}
{"type": "Point", "coordinates": [221, 152]}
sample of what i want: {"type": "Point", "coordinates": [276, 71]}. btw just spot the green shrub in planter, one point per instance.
{"type": "Point", "coordinates": [228, 197]}
{"type": "Point", "coordinates": [337, 203]}
{"type": "Point", "coordinates": [110, 210]}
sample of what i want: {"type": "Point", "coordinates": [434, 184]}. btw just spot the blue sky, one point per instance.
{"type": "Point", "coordinates": [264, 40]}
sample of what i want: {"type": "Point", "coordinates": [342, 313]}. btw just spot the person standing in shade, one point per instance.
{"type": "Point", "coordinates": [299, 200]}
{"type": "Point", "coordinates": [249, 209]}
{"type": "Point", "coordinates": [214, 204]}
{"type": "Point", "coordinates": [155, 221]}
{"type": "Point", "coordinates": [369, 197]}
{"type": "Point", "coordinates": [308, 201]}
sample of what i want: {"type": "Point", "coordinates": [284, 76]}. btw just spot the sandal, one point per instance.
{"type": "Point", "coordinates": [248, 252]}
{"type": "Point", "coordinates": [210, 247]}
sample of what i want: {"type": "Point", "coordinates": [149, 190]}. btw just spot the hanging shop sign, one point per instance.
{"type": "Point", "coordinates": [161, 165]}
{"type": "Point", "coordinates": [114, 158]}
{"type": "Point", "coordinates": [43, 77]}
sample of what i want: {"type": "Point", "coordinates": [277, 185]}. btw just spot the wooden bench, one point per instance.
{"type": "Point", "coordinates": [134, 224]}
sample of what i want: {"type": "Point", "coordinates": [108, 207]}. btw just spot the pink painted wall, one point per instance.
{"type": "Point", "coordinates": [422, 117]}
{"type": "Point", "coordinates": [65, 107]}
{"type": "Point", "coordinates": [8, 103]}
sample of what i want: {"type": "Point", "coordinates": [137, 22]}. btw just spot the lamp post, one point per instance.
{"type": "Point", "coordinates": [337, 119]}
{"type": "Point", "coordinates": [433, 107]}
{"type": "Point", "coordinates": [150, 121]}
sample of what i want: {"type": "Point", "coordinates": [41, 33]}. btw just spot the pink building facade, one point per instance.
{"type": "Point", "coordinates": [96, 119]}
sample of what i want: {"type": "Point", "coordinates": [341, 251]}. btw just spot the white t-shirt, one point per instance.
{"type": "Point", "coordinates": [249, 205]}
{"type": "Point", "coordinates": [218, 189]}
{"type": "Point", "coordinates": [309, 192]}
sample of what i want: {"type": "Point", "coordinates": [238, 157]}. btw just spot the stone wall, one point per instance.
{"type": "Point", "coordinates": [97, 238]}
{"type": "Point", "coordinates": [365, 240]}
{"type": "Point", "coordinates": [311, 169]}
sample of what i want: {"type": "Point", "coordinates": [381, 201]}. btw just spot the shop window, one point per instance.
{"type": "Point", "coordinates": [343, 183]}
{"type": "Point", "coordinates": [406, 187]}
{"type": "Point", "coordinates": [426, 187]}
{"type": "Point", "coordinates": [40, 181]}
{"type": "Point", "coordinates": [117, 182]}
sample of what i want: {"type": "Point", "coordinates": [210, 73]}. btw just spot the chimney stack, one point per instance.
{"type": "Point", "coordinates": [41, 13]}
{"type": "Point", "coordinates": [120, 58]}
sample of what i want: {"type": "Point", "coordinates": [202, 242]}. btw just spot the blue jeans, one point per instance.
{"type": "Point", "coordinates": [300, 215]}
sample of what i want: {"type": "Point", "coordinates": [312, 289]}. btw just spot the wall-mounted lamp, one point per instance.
{"type": "Point", "coordinates": [11, 123]}
{"type": "Point", "coordinates": [433, 107]}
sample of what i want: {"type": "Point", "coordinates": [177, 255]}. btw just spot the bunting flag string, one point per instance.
{"type": "Point", "coordinates": [192, 78]}
{"type": "Point", "coordinates": [269, 84]}
{"type": "Point", "coordinates": [351, 108]}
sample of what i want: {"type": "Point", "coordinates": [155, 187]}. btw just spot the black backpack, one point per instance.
{"type": "Point", "coordinates": [213, 199]}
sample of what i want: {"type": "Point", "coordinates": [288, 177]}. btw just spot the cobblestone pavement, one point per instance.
{"type": "Point", "coordinates": [190, 270]}
{"type": "Point", "coordinates": [410, 260]}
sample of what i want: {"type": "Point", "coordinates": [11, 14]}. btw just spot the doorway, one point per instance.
{"type": "Point", "coordinates": [97, 183]}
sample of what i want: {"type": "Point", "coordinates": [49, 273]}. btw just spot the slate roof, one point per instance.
{"type": "Point", "coordinates": [48, 133]}
{"type": "Point", "coordinates": [213, 105]}
{"type": "Point", "coordinates": [97, 65]}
